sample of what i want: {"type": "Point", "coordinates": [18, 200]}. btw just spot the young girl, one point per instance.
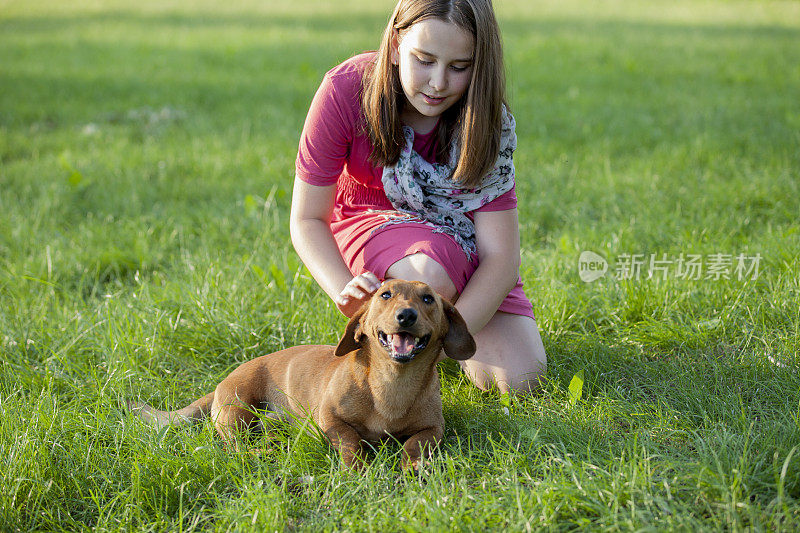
{"type": "Point", "coordinates": [405, 171]}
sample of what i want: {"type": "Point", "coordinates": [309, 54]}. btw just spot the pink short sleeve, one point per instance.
{"type": "Point", "coordinates": [502, 202]}
{"type": "Point", "coordinates": [326, 138]}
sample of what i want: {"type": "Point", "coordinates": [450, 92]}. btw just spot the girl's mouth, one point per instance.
{"type": "Point", "coordinates": [431, 100]}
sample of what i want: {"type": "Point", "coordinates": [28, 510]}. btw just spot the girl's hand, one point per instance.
{"type": "Point", "coordinates": [356, 292]}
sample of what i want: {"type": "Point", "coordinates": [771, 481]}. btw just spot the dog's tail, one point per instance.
{"type": "Point", "coordinates": [193, 412]}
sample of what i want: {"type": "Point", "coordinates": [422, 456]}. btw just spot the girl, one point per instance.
{"type": "Point", "coordinates": [405, 170]}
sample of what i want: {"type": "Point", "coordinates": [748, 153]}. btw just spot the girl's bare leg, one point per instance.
{"type": "Point", "coordinates": [510, 352]}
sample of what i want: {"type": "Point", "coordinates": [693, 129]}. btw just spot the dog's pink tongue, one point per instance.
{"type": "Point", "coordinates": [402, 343]}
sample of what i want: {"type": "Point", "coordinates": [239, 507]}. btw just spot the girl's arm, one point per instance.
{"type": "Point", "coordinates": [309, 226]}
{"type": "Point", "coordinates": [497, 239]}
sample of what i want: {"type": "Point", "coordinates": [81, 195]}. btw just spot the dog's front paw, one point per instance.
{"type": "Point", "coordinates": [412, 464]}
{"type": "Point", "coordinates": [355, 462]}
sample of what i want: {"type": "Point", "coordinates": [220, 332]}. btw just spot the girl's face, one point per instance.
{"type": "Point", "coordinates": [434, 60]}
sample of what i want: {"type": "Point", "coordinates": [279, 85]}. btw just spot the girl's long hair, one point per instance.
{"type": "Point", "coordinates": [475, 119]}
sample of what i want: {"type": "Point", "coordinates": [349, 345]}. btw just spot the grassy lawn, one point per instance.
{"type": "Point", "coordinates": [146, 162]}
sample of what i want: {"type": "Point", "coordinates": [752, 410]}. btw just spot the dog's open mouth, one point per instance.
{"type": "Point", "coordinates": [403, 346]}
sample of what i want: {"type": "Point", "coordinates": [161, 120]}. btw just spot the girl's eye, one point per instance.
{"type": "Point", "coordinates": [459, 69]}
{"type": "Point", "coordinates": [386, 295]}
{"type": "Point", "coordinates": [428, 299]}
{"type": "Point", "coordinates": [423, 62]}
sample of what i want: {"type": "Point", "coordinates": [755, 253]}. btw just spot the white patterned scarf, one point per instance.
{"type": "Point", "coordinates": [423, 192]}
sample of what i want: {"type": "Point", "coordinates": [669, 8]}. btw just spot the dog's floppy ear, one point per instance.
{"type": "Point", "coordinates": [351, 339]}
{"type": "Point", "coordinates": [458, 343]}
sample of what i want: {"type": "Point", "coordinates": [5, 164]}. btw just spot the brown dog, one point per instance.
{"type": "Point", "coordinates": [380, 380]}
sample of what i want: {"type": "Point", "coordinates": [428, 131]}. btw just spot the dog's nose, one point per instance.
{"type": "Point", "coordinates": [406, 317]}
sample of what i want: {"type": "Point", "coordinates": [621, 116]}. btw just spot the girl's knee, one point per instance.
{"type": "Point", "coordinates": [505, 381]}
{"type": "Point", "coordinates": [525, 379]}
{"type": "Point", "coordinates": [525, 383]}
{"type": "Point", "coordinates": [510, 357]}
{"type": "Point", "coordinates": [420, 267]}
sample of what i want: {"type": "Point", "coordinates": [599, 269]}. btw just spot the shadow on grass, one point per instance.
{"type": "Point", "coordinates": [347, 21]}
{"type": "Point", "coordinates": [293, 67]}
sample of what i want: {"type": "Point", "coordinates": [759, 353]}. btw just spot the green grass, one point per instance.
{"type": "Point", "coordinates": [146, 162]}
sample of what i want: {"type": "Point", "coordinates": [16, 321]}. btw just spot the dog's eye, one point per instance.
{"type": "Point", "coordinates": [427, 298]}
{"type": "Point", "coordinates": [386, 295]}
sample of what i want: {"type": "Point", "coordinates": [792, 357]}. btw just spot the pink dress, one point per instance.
{"type": "Point", "coordinates": [335, 150]}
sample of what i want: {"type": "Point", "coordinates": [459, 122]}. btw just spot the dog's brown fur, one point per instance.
{"type": "Point", "coordinates": [358, 390]}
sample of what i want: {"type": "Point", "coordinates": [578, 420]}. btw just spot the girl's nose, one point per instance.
{"type": "Point", "coordinates": [438, 81]}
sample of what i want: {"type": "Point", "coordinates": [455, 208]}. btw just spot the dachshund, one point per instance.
{"type": "Point", "coordinates": [380, 380]}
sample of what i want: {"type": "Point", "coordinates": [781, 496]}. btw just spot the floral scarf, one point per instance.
{"type": "Point", "coordinates": [423, 192]}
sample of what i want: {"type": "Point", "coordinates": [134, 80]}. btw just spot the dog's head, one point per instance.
{"type": "Point", "coordinates": [408, 321]}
